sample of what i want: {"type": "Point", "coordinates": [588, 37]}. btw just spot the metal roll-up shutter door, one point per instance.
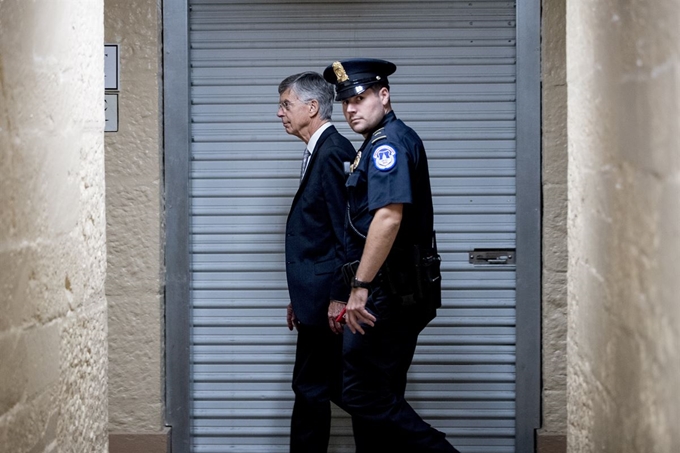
{"type": "Point", "coordinates": [455, 85]}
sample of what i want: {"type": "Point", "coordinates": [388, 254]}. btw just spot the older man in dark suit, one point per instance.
{"type": "Point", "coordinates": [314, 256]}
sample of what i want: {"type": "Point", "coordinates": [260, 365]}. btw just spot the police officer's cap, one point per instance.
{"type": "Point", "coordinates": [353, 77]}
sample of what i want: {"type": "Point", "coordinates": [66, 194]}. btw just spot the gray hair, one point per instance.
{"type": "Point", "coordinates": [308, 86]}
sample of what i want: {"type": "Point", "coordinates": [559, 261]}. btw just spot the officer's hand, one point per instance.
{"type": "Point", "coordinates": [334, 310]}
{"type": "Point", "coordinates": [290, 317]}
{"type": "Point", "coordinates": [356, 311]}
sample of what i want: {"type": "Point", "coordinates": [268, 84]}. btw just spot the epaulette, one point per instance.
{"type": "Point", "coordinates": [378, 135]}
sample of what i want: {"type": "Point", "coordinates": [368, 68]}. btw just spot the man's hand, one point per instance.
{"type": "Point", "coordinates": [290, 317]}
{"type": "Point", "coordinates": [381, 235]}
{"type": "Point", "coordinates": [356, 311]}
{"type": "Point", "coordinates": [334, 310]}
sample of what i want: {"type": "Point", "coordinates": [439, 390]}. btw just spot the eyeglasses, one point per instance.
{"type": "Point", "coordinates": [287, 105]}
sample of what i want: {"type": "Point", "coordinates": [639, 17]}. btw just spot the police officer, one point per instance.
{"type": "Point", "coordinates": [390, 220]}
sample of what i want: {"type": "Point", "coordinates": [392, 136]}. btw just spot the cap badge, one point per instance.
{"type": "Point", "coordinates": [340, 73]}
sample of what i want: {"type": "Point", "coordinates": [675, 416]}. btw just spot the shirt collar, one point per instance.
{"type": "Point", "coordinates": [315, 136]}
{"type": "Point", "coordinates": [390, 116]}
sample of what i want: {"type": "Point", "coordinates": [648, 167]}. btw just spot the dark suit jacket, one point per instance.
{"type": "Point", "coordinates": [315, 231]}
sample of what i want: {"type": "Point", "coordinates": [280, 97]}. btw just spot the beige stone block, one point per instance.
{"type": "Point", "coordinates": [555, 253]}
{"type": "Point", "coordinates": [554, 326]}
{"type": "Point", "coordinates": [52, 275]}
{"type": "Point", "coordinates": [555, 411]}
{"type": "Point", "coordinates": [554, 332]}
{"type": "Point", "coordinates": [134, 239]}
{"type": "Point", "coordinates": [32, 426]}
{"type": "Point", "coordinates": [554, 139]}
{"type": "Point", "coordinates": [136, 362]}
{"type": "Point", "coordinates": [17, 206]}
{"type": "Point", "coordinates": [554, 291]}
{"type": "Point", "coordinates": [555, 350]}
{"type": "Point", "coordinates": [17, 285]}
{"type": "Point", "coordinates": [135, 151]}
{"type": "Point", "coordinates": [38, 188]}
{"type": "Point", "coordinates": [83, 399]}
{"type": "Point", "coordinates": [553, 42]}
{"type": "Point", "coordinates": [554, 241]}
{"type": "Point", "coordinates": [12, 380]}
{"type": "Point", "coordinates": [40, 357]}
{"type": "Point", "coordinates": [138, 154]}
{"type": "Point", "coordinates": [130, 411]}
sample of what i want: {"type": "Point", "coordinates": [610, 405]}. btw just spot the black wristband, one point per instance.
{"type": "Point", "coordinates": [356, 283]}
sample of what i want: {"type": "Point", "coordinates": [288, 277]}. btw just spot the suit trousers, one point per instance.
{"type": "Point", "coordinates": [375, 371]}
{"type": "Point", "coordinates": [317, 380]}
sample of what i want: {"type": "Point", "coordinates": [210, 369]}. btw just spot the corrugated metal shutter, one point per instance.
{"type": "Point", "coordinates": [456, 87]}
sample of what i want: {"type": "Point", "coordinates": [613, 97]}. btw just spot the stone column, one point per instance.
{"type": "Point", "coordinates": [623, 72]}
{"type": "Point", "coordinates": [53, 327]}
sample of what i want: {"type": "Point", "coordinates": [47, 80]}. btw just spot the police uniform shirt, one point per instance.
{"type": "Point", "coordinates": [392, 170]}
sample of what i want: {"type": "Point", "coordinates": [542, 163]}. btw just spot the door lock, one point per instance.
{"type": "Point", "coordinates": [492, 256]}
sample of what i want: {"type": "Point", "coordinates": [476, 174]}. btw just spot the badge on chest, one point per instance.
{"type": "Point", "coordinates": [355, 164]}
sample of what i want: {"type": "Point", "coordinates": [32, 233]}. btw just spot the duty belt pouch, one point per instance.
{"type": "Point", "coordinates": [396, 278]}
{"type": "Point", "coordinates": [414, 276]}
{"type": "Point", "coordinates": [428, 274]}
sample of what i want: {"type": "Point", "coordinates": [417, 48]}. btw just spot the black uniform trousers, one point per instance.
{"type": "Point", "coordinates": [317, 380]}
{"type": "Point", "coordinates": [374, 380]}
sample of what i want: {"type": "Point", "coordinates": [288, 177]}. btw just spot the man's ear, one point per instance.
{"type": "Point", "coordinates": [313, 107]}
{"type": "Point", "coordinates": [384, 95]}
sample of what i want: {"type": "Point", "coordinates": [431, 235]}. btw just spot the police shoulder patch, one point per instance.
{"type": "Point", "coordinates": [384, 157]}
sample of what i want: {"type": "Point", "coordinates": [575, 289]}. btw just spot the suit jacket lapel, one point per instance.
{"type": "Point", "coordinates": [312, 160]}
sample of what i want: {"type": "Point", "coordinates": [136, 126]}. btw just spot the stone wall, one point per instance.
{"type": "Point", "coordinates": [53, 327]}
{"type": "Point", "coordinates": [134, 286]}
{"type": "Point", "coordinates": [552, 436]}
{"type": "Point", "coordinates": [624, 226]}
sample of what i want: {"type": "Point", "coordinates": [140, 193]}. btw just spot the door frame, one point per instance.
{"type": "Point", "coordinates": [177, 142]}
{"type": "Point", "coordinates": [529, 237]}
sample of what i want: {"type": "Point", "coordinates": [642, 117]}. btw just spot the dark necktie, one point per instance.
{"type": "Point", "coordinates": [305, 161]}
